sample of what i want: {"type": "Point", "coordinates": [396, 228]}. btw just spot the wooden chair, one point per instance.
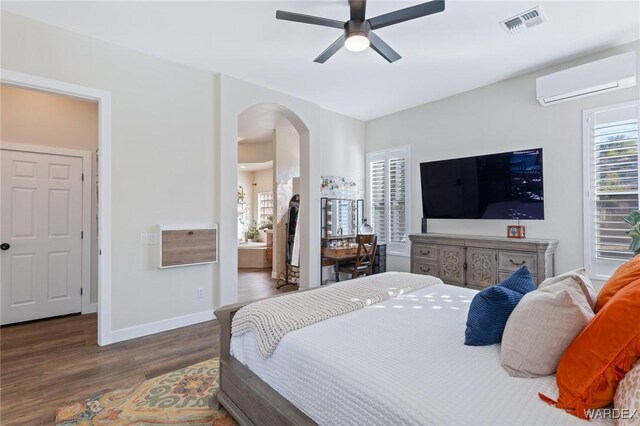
{"type": "Point", "coordinates": [365, 256]}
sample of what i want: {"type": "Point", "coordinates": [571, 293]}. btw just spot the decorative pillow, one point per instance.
{"type": "Point", "coordinates": [542, 326]}
{"type": "Point", "coordinates": [581, 278]}
{"type": "Point", "coordinates": [490, 309]}
{"type": "Point", "coordinates": [628, 396]}
{"type": "Point", "coordinates": [488, 314]}
{"type": "Point", "coordinates": [626, 274]}
{"type": "Point", "coordinates": [519, 281]}
{"type": "Point", "coordinates": [593, 364]}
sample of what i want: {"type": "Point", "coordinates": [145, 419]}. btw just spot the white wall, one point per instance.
{"type": "Point", "coordinates": [175, 152]}
{"type": "Point", "coordinates": [343, 147]}
{"type": "Point", "coordinates": [503, 117]}
{"type": "Point", "coordinates": [163, 159]}
{"type": "Point", "coordinates": [286, 166]}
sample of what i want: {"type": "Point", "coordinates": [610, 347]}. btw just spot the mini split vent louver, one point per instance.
{"type": "Point", "coordinates": [523, 21]}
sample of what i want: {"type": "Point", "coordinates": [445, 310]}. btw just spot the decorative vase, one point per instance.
{"type": "Point", "coordinates": [366, 229]}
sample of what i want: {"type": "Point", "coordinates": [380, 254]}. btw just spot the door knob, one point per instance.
{"type": "Point", "coordinates": [4, 246]}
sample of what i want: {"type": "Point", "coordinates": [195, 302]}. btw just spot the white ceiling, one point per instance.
{"type": "Point", "coordinates": [454, 51]}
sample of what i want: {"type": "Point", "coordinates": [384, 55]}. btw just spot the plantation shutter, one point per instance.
{"type": "Point", "coordinates": [389, 178]}
{"type": "Point", "coordinates": [397, 200]}
{"type": "Point", "coordinates": [378, 184]}
{"type": "Point", "coordinates": [613, 172]}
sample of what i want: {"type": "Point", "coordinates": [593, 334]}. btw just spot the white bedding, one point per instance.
{"type": "Point", "coordinates": [402, 361]}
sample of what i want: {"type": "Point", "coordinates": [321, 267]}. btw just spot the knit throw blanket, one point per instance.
{"type": "Point", "coordinates": [271, 319]}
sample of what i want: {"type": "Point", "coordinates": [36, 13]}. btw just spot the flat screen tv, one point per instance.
{"type": "Point", "coordinates": [508, 185]}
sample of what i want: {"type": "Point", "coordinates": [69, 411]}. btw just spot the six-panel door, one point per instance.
{"type": "Point", "coordinates": [41, 222]}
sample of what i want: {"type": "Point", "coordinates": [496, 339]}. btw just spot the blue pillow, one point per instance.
{"type": "Point", "coordinates": [519, 281]}
{"type": "Point", "coordinates": [490, 309]}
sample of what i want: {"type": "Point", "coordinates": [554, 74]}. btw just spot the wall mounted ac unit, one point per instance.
{"type": "Point", "coordinates": [605, 75]}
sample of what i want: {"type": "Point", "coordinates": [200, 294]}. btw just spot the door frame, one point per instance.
{"type": "Point", "coordinates": [86, 307]}
{"type": "Point", "coordinates": [104, 185]}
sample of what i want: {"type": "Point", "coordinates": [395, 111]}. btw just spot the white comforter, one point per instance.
{"type": "Point", "coordinates": [402, 361]}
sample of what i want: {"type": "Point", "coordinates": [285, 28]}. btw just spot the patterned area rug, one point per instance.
{"type": "Point", "coordinates": [182, 397]}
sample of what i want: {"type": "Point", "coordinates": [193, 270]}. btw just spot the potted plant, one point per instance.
{"type": "Point", "coordinates": [634, 220]}
{"type": "Point", "coordinates": [253, 232]}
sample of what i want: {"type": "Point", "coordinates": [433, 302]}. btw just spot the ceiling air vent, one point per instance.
{"type": "Point", "coordinates": [523, 21]}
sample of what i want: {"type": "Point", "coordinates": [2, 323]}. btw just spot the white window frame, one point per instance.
{"type": "Point", "coordinates": [600, 269]}
{"type": "Point", "coordinates": [395, 249]}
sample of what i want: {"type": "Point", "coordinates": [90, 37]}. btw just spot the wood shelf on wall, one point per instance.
{"type": "Point", "coordinates": [183, 245]}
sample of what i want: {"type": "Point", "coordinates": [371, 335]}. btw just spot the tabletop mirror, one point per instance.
{"type": "Point", "coordinates": [341, 218]}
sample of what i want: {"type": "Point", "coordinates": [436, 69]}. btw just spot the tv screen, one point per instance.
{"type": "Point", "coordinates": [497, 186]}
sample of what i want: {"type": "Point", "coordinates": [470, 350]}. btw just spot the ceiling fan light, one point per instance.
{"type": "Point", "coordinates": [357, 43]}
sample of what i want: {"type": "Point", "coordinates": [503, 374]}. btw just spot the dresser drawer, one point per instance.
{"type": "Point", "coordinates": [425, 268]}
{"type": "Point", "coordinates": [422, 252]}
{"type": "Point", "coordinates": [512, 261]}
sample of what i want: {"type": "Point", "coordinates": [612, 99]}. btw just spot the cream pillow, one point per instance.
{"type": "Point", "coordinates": [627, 396]}
{"type": "Point", "coordinates": [581, 280]}
{"type": "Point", "coordinates": [542, 326]}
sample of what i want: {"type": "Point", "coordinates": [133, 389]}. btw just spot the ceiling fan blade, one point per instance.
{"type": "Point", "coordinates": [308, 19]}
{"type": "Point", "coordinates": [383, 48]}
{"type": "Point", "coordinates": [331, 50]}
{"type": "Point", "coordinates": [358, 9]}
{"type": "Point", "coordinates": [407, 14]}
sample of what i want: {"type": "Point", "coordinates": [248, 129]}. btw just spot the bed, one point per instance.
{"type": "Point", "coordinates": [401, 361]}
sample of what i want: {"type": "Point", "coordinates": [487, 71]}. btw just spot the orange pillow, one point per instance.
{"type": "Point", "coordinates": [626, 274]}
{"type": "Point", "coordinates": [594, 363]}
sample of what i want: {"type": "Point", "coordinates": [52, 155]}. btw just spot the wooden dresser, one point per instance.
{"type": "Point", "coordinates": [477, 261]}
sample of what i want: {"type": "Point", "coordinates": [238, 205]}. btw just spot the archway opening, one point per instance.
{"type": "Point", "coordinates": [269, 173]}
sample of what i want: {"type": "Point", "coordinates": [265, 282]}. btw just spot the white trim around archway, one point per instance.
{"type": "Point", "coordinates": [235, 97]}
{"type": "Point", "coordinates": [104, 149]}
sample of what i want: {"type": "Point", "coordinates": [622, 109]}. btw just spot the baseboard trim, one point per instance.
{"type": "Point", "coordinates": [147, 329]}
{"type": "Point", "coordinates": [91, 309]}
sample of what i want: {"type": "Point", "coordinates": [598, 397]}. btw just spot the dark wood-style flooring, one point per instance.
{"type": "Point", "coordinates": [256, 284]}
{"type": "Point", "coordinates": [47, 364]}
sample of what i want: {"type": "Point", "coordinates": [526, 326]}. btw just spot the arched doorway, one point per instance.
{"type": "Point", "coordinates": [268, 178]}
{"type": "Point", "coordinates": [236, 97]}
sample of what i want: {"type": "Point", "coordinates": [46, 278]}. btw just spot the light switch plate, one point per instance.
{"type": "Point", "coordinates": [148, 239]}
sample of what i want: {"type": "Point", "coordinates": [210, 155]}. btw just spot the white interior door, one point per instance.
{"type": "Point", "coordinates": [41, 235]}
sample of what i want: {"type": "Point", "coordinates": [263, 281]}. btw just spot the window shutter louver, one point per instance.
{"type": "Point", "coordinates": [389, 184]}
{"type": "Point", "coordinates": [378, 182]}
{"type": "Point", "coordinates": [397, 201]}
{"type": "Point", "coordinates": [615, 186]}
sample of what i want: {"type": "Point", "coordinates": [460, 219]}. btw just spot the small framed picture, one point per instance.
{"type": "Point", "coordinates": [515, 231]}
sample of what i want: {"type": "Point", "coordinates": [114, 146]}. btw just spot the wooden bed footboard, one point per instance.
{"type": "Point", "coordinates": [248, 399]}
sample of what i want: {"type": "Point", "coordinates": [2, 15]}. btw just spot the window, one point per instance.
{"type": "Point", "coordinates": [265, 207]}
{"type": "Point", "coordinates": [611, 184]}
{"type": "Point", "coordinates": [389, 188]}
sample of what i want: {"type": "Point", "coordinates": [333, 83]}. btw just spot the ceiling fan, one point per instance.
{"type": "Point", "coordinates": [358, 31]}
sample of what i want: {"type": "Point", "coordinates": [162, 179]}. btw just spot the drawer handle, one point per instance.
{"type": "Point", "coordinates": [517, 263]}
{"type": "Point", "coordinates": [423, 270]}
{"type": "Point", "coordinates": [425, 254]}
